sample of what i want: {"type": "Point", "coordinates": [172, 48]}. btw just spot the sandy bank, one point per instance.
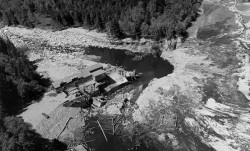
{"type": "Point", "coordinates": [33, 113]}
{"type": "Point", "coordinates": [55, 66]}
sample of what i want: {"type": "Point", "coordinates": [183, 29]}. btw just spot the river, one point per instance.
{"type": "Point", "coordinates": [152, 66]}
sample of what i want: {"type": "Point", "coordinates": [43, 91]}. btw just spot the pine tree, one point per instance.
{"type": "Point", "coordinates": [98, 22]}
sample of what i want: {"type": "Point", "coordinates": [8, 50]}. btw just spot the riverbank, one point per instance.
{"type": "Point", "coordinates": [57, 63]}
{"type": "Point", "coordinates": [76, 37]}
{"type": "Point", "coordinates": [54, 66]}
{"type": "Point", "coordinates": [204, 90]}
{"type": "Point", "coordinates": [203, 104]}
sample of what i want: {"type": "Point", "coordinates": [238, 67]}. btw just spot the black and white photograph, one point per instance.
{"type": "Point", "coordinates": [124, 75]}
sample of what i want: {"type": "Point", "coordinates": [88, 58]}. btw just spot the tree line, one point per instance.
{"type": "Point", "coordinates": [154, 19]}
{"type": "Point", "coordinates": [19, 84]}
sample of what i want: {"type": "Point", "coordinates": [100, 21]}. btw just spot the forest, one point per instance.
{"type": "Point", "coordinates": [155, 19]}
{"type": "Point", "coordinates": [19, 84]}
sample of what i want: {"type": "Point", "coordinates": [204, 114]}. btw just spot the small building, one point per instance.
{"type": "Point", "coordinates": [93, 80]}
{"type": "Point", "coordinates": [99, 75]}
{"type": "Point", "coordinates": [91, 87]}
{"type": "Point", "coordinates": [118, 70]}
{"type": "Point", "coordinates": [119, 81]}
{"type": "Point", "coordinates": [72, 81]}
{"type": "Point", "coordinates": [99, 101]}
{"type": "Point", "coordinates": [110, 70]}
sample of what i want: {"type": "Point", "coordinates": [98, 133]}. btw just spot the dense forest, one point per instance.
{"type": "Point", "coordinates": [154, 19]}
{"type": "Point", "coordinates": [19, 84]}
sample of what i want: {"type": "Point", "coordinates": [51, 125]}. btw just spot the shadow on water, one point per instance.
{"type": "Point", "coordinates": [151, 66]}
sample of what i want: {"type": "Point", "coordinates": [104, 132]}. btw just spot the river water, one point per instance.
{"type": "Point", "coordinates": [151, 66]}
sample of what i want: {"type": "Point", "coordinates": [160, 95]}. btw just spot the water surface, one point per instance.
{"type": "Point", "coordinates": [150, 65]}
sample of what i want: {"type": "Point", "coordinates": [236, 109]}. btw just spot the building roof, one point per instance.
{"type": "Point", "coordinates": [98, 72]}
{"type": "Point", "coordinates": [83, 74]}
{"type": "Point", "coordinates": [118, 81]}
{"type": "Point", "coordinates": [118, 78]}
{"type": "Point", "coordinates": [94, 67]}
{"type": "Point", "coordinates": [88, 83]}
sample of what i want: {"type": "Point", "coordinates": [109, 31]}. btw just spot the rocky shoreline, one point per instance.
{"type": "Point", "coordinates": [75, 38]}
{"type": "Point", "coordinates": [204, 103]}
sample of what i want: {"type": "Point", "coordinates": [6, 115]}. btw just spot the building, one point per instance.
{"type": "Point", "coordinates": [118, 82]}
{"type": "Point", "coordinates": [98, 101]}
{"type": "Point", "coordinates": [69, 83]}
{"type": "Point", "coordinates": [94, 80]}
{"type": "Point", "coordinates": [118, 70]}
{"type": "Point", "coordinates": [91, 87]}
{"type": "Point", "coordinates": [86, 81]}
{"type": "Point", "coordinates": [99, 75]}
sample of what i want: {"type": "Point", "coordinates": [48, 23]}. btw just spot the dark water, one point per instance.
{"type": "Point", "coordinates": [151, 66]}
